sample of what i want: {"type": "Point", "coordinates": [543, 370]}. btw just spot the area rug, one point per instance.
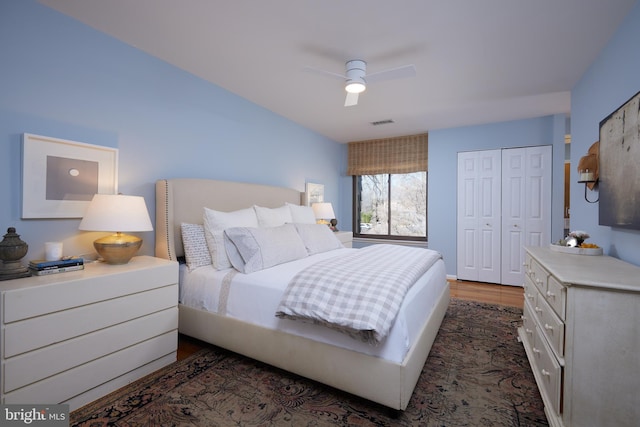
{"type": "Point", "coordinates": [477, 374]}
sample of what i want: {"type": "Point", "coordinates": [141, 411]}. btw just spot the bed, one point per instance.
{"type": "Point", "coordinates": [383, 375]}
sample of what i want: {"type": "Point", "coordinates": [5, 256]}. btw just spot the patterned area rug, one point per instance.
{"type": "Point", "coordinates": [477, 374]}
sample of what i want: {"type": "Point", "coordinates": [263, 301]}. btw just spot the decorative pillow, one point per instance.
{"type": "Point", "coordinates": [215, 222]}
{"type": "Point", "coordinates": [302, 214]}
{"type": "Point", "coordinates": [254, 249]}
{"type": "Point", "coordinates": [196, 252]}
{"type": "Point", "coordinates": [268, 217]}
{"type": "Point", "coordinates": [318, 238]}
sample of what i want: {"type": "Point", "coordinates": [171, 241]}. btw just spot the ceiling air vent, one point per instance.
{"type": "Point", "coordinates": [382, 122]}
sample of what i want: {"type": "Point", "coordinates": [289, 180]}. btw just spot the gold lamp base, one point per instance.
{"type": "Point", "coordinates": [118, 248]}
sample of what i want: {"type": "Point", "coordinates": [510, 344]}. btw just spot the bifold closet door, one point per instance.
{"type": "Point", "coordinates": [504, 204]}
{"type": "Point", "coordinates": [479, 223]}
{"type": "Point", "coordinates": [526, 207]}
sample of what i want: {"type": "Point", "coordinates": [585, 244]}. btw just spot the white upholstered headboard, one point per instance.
{"type": "Point", "coordinates": [183, 199]}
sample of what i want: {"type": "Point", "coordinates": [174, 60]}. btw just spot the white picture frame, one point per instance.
{"type": "Point", "coordinates": [314, 193]}
{"type": "Point", "coordinates": [60, 177]}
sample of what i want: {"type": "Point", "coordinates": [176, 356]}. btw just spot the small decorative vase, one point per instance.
{"type": "Point", "coordinates": [12, 250]}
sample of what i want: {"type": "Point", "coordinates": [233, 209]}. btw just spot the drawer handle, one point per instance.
{"type": "Point", "coordinates": [546, 373]}
{"type": "Point", "coordinates": [550, 294]}
{"type": "Point", "coordinates": [523, 317]}
{"type": "Point", "coordinates": [538, 310]}
{"type": "Point", "coordinates": [530, 296]}
{"type": "Point", "coordinates": [529, 331]}
{"type": "Point", "coordinates": [536, 351]}
{"type": "Point", "coordinates": [548, 327]}
{"type": "Point", "coordinates": [538, 280]}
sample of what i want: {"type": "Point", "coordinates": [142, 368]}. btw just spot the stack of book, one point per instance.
{"type": "Point", "coordinates": [42, 267]}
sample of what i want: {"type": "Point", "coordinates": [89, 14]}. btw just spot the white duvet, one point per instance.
{"type": "Point", "coordinates": [255, 297]}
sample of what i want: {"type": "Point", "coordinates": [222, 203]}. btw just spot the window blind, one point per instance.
{"type": "Point", "coordinates": [404, 154]}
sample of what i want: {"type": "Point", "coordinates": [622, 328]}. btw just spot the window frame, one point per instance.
{"type": "Point", "coordinates": [356, 213]}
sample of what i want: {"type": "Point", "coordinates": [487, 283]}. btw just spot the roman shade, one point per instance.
{"type": "Point", "coordinates": [404, 154]}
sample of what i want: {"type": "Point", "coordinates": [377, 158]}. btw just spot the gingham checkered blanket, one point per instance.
{"type": "Point", "coordinates": [359, 294]}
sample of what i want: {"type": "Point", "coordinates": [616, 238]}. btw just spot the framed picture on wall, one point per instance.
{"type": "Point", "coordinates": [60, 177]}
{"type": "Point", "coordinates": [619, 174]}
{"type": "Point", "coordinates": [314, 193]}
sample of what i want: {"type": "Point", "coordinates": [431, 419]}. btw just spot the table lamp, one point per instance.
{"type": "Point", "coordinates": [116, 213]}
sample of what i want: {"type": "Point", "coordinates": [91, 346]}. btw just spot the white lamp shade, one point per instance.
{"type": "Point", "coordinates": [323, 210]}
{"type": "Point", "coordinates": [116, 213]}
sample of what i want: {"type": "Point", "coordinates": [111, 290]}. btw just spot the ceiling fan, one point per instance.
{"type": "Point", "coordinates": [356, 77]}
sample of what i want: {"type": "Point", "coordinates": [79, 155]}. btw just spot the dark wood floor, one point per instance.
{"type": "Point", "coordinates": [473, 291]}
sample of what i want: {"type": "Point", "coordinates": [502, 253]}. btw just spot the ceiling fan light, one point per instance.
{"type": "Point", "coordinates": [355, 87]}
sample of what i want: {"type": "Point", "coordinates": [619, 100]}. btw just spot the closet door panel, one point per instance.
{"type": "Point", "coordinates": [513, 214]}
{"type": "Point", "coordinates": [479, 223]}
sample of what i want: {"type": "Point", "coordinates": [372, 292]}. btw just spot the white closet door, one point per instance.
{"type": "Point", "coordinates": [526, 207]}
{"type": "Point", "coordinates": [479, 223]}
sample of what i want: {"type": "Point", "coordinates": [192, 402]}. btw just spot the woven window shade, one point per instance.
{"type": "Point", "coordinates": [404, 154]}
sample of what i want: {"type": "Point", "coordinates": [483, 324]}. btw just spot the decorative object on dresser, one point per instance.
{"type": "Point", "coordinates": [72, 338]}
{"type": "Point", "coordinates": [12, 250]}
{"type": "Point", "coordinates": [117, 213]}
{"type": "Point", "coordinates": [580, 334]}
{"type": "Point", "coordinates": [43, 267]}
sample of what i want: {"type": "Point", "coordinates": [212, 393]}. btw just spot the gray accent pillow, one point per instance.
{"type": "Point", "coordinates": [196, 251]}
{"type": "Point", "coordinates": [253, 249]}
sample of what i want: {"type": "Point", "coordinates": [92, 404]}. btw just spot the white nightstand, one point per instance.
{"type": "Point", "coordinates": [346, 237]}
{"type": "Point", "coordinates": [76, 336]}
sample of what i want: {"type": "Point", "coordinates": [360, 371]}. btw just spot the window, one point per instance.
{"type": "Point", "coordinates": [392, 206]}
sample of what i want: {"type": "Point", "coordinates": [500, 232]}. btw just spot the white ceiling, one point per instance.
{"type": "Point", "coordinates": [476, 61]}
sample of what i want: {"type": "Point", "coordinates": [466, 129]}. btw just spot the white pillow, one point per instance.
{"type": "Point", "coordinates": [268, 217]}
{"type": "Point", "coordinates": [318, 238]}
{"type": "Point", "coordinates": [254, 249]}
{"type": "Point", "coordinates": [196, 251]}
{"type": "Point", "coordinates": [215, 222]}
{"type": "Point", "coordinates": [302, 214]}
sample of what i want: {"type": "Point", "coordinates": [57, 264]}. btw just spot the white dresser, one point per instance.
{"type": "Point", "coordinates": [76, 336]}
{"type": "Point", "coordinates": [581, 333]}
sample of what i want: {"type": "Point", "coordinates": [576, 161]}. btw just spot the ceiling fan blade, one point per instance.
{"type": "Point", "coordinates": [324, 72]}
{"type": "Point", "coordinates": [351, 100]}
{"type": "Point", "coordinates": [391, 74]}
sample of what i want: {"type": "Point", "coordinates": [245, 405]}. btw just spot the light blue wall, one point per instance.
{"type": "Point", "coordinates": [610, 81]}
{"type": "Point", "coordinates": [62, 79]}
{"type": "Point", "coordinates": [444, 146]}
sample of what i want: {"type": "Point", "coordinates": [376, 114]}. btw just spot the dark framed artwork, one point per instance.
{"type": "Point", "coordinates": [619, 181]}
{"type": "Point", "coordinates": [60, 177]}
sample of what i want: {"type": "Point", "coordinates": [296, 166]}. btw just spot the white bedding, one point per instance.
{"type": "Point", "coordinates": [255, 297]}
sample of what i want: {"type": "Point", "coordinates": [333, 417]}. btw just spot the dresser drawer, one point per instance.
{"type": "Point", "coordinates": [37, 332]}
{"type": "Point", "coordinates": [539, 276]}
{"type": "Point", "coordinates": [37, 365]}
{"type": "Point", "coordinates": [530, 292]}
{"type": "Point", "coordinates": [550, 325]}
{"type": "Point", "coordinates": [548, 372]}
{"type": "Point", "coordinates": [556, 296]}
{"type": "Point", "coordinates": [528, 322]}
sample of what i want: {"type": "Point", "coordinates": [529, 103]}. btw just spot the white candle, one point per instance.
{"type": "Point", "coordinates": [53, 251]}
